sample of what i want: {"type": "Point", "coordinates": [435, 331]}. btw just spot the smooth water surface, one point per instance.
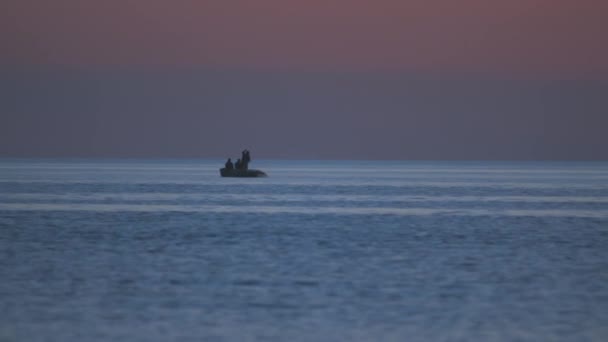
{"type": "Point", "coordinates": [163, 250]}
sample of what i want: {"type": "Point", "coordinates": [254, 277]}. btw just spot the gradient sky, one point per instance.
{"type": "Point", "coordinates": [383, 79]}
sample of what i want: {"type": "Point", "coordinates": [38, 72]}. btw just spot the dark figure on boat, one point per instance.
{"type": "Point", "coordinates": [229, 165]}
{"type": "Point", "coordinates": [246, 158]}
{"type": "Point", "coordinates": [241, 168]}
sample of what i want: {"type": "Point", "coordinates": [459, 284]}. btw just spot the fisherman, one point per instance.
{"type": "Point", "coordinates": [229, 165]}
{"type": "Point", "coordinates": [246, 158]}
{"type": "Point", "coordinates": [238, 165]}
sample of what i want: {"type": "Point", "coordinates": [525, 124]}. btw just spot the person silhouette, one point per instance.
{"type": "Point", "coordinates": [246, 158]}
{"type": "Point", "coordinates": [238, 165]}
{"type": "Point", "coordinates": [229, 165]}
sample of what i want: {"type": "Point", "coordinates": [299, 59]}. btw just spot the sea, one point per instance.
{"type": "Point", "coordinates": [167, 250]}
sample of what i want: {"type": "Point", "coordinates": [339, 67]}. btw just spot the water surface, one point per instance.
{"type": "Point", "coordinates": [157, 250]}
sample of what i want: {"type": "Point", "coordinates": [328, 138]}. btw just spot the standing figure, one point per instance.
{"type": "Point", "coordinates": [246, 158]}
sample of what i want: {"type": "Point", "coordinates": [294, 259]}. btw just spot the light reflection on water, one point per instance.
{"type": "Point", "coordinates": [267, 197]}
{"type": "Point", "coordinates": [267, 209]}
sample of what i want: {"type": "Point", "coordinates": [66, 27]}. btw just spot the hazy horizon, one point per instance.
{"type": "Point", "coordinates": [299, 115]}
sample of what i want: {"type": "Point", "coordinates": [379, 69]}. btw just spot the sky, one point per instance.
{"type": "Point", "coordinates": [383, 79]}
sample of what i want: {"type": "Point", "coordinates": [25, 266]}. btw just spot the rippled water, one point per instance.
{"type": "Point", "coordinates": [98, 250]}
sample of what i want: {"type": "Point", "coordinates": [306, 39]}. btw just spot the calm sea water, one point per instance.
{"type": "Point", "coordinates": [106, 250]}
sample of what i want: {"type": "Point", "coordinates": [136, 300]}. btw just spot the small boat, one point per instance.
{"type": "Point", "coordinates": [224, 172]}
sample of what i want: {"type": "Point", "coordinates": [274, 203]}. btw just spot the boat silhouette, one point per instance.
{"type": "Point", "coordinates": [224, 172]}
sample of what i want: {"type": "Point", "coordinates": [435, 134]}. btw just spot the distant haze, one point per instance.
{"type": "Point", "coordinates": [339, 79]}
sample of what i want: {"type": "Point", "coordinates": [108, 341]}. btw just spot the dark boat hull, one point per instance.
{"type": "Point", "coordinates": [242, 173]}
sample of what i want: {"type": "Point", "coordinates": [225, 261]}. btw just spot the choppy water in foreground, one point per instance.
{"type": "Point", "coordinates": [96, 250]}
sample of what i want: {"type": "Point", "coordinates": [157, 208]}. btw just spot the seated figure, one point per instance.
{"type": "Point", "coordinates": [229, 165]}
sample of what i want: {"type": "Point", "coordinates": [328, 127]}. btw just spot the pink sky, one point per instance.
{"type": "Point", "coordinates": [551, 38]}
